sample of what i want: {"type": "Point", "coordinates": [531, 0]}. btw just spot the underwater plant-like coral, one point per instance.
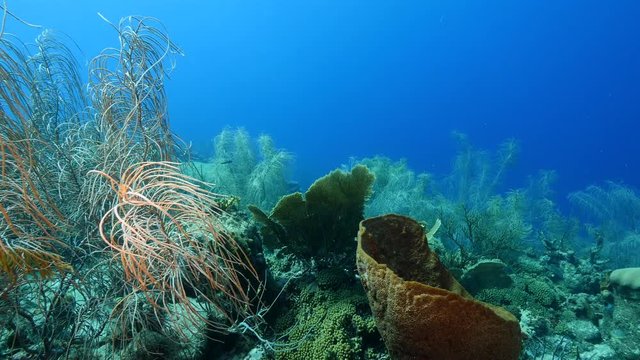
{"type": "Point", "coordinates": [257, 175]}
{"type": "Point", "coordinates": [496, 230]}
{"type": "Point", "coordinates": [477, 221]}
{"type": "Point", "coordinates": [268, 179]}
{"type": "Point", "coordinates": [234, 159]}
{"type": "Point", "coordinates": [164, 232]}
{"type": "Point", "coordinates": [169, 263]}
{"type": "Point", "coordinates": [30, 220]}
{"type": "Point", "coordinates": [613, 207]}
{"type": "Point", "coordinates": [324, 219]}
{"type": "Point", "coordinates": [541, 212]}
{"type": "Point", "coordinates": [477, 174]}
{"type": "Point", "coordinates": [624, 253]}
{"type": "Point", "coordinates": [613, 215]}
{"type": "Point", "coordinates": [127, 89]}
{"type": "Point", "coordinates": [43, 228]}
{"type": "Point", "coordinates": [37, 95]}
{"type": "Point", "coordinates": [397, 189]}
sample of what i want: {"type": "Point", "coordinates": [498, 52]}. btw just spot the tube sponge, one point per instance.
{"type": "Point", "coordinates": [421, 311]}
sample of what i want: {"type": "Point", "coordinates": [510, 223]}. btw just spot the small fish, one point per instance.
{"type": "Point", "coordinates": [223, 162]}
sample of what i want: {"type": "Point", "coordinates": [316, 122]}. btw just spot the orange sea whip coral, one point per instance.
{"type": "Point", "coordinates": [164, 230]}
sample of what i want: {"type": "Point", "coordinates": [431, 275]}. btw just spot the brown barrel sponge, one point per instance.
{"type": "Point", "coordinates": [421, 311]}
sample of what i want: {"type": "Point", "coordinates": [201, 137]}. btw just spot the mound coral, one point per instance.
{"type": "Point", "coordinates": [626, 282]}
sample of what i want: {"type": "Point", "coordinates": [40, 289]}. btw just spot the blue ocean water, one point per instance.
{"type": "Point", "coordinates": [333, 79]}
{"type": "Point", "coordinates": [99, 262]}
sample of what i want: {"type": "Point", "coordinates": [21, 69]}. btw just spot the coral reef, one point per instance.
{"type": "Point", "coordinates": [114, 245]}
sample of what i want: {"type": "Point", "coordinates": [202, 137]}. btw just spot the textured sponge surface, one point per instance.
{"type": "Point", "coordinates": [421, 311]}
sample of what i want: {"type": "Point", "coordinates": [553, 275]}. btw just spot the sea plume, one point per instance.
{"type": "Point", "coordinates": [164, 233]}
